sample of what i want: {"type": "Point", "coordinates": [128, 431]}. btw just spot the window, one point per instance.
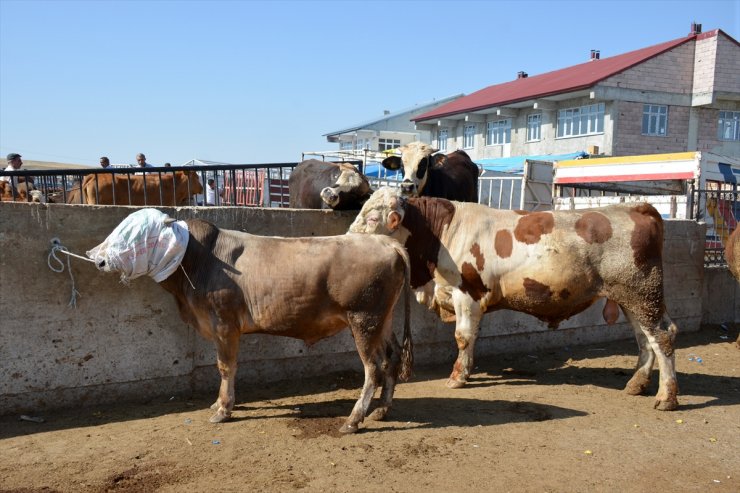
{"type": "Point", "coordinates": [729, 125]}
{"type": "Point", "coordinates": [533, 127]}
{"type": "Point", "coordinates": [388, 144]}
{"type": "Point", "coordinates": [585, 120]}
{"type": "Point", "coordinates": [345, 145]}
{"type": "Point", "coordinates": [654, 120]}
{"type": "Point", "coordinates": [362, 144]}
{"type": "Point", "coordinates": [498, 132]}
{"type": "Point", "coordinates": [442, 139]}
{"type": "Point", "coordinates": [468, 136]}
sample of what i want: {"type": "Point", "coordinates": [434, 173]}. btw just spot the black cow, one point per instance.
{"type": "Point", "coordinates": [453, 177]}
{"type": "Point", "coordinates": [315, 184]}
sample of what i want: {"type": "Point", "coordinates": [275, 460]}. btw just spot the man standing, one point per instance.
{"type": "Point", "coordinates": [14, 164]}
{"type": "Point", "coordinates": [104, 162]}
{"type": "Point", "coordinates": [211, 192]}
{"type": "Point", "coordinates": [141, 160]}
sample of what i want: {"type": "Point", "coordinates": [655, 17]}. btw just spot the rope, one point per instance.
{"type": "Point", "coordinates": [58, 247]}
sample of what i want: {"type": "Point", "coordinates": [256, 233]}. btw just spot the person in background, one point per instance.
{"type": "Point", "coordinates": [211, 192]}
{"type": "Point", "coordinates": [104, 162]}
{"type": "Point", "coordinates": [167, 165]}
{"type": "Point", "coordinates": [141, 160]}
{"type": "Point", "coordinates": [14, 164]}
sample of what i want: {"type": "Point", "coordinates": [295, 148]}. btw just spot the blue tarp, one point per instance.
{"type": "Point", "coordinates": [515, 164]}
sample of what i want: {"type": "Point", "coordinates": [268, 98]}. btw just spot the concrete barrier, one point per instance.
{"type": "Point", "coordinates": [127, 342]}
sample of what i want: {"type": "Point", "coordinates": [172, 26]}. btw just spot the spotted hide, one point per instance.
{"type": "Point", "coordinates": [468, 259]}
{"type": "Point", "coordinates": [315, 184]}
{"type": "Point", "coordinates": [141, 189]}
{"type": "Point", "coordinates": [426, 174]}
{"type": "Point", "coordinates": [231, 283]}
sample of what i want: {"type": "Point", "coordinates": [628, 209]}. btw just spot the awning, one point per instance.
{"type": "Point", "coordinates": [515, 164]}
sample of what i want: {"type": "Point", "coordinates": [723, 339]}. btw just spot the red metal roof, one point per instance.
{"type": "Point", "coordinates": [564, 80]}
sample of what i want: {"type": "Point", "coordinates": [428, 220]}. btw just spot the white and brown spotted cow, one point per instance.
{"type": "Point", "coordinates": [468, 259]}
{"type": "Point", "coordinates": [230, 283]}
{"type": "Point", "coordinates": [453, 176]}
{"type": "Point", "coordinates": [315, 184]}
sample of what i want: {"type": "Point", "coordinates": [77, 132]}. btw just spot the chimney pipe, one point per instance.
{"type": "Point", "coordinates": [695, 28]}
{"type": "Point", "coordinates": [522, 75]}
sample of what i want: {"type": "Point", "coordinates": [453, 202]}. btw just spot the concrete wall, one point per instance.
{"type": "Point", "coordinates": [127, 342]}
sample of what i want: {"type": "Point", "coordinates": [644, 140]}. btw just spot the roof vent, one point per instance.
{"type": "Point", "coordinates": [522, 75]}
{"type": "Point", "coordinates": [386, 112]}
{"type": "Point", "coordinates": [595, 54]}
{"type": "Point", "coordinates": [695, 28]}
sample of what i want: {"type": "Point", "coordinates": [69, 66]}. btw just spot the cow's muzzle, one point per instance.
{"type": "Point", "coordinates": [329, 196]}
{"type": "Point", "coordinates": [408, 188]}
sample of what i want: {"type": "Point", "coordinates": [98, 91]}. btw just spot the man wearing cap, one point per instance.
{"type": "Point", "coordinates": [14, 164]}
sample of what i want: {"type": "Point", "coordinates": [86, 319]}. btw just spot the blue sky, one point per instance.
{"type": "Point", "coordinates": [260, 82]}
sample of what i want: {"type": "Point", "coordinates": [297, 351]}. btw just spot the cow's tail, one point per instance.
{"type": "Point", "coordinates": [407, 350]}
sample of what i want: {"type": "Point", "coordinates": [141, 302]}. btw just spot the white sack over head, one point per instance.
{"type": "Point", "coordinates": [147, 242]}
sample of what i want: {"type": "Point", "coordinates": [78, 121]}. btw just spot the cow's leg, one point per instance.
{"type": "Point", "coordinates": [657, 342]}
{"type": "Point", "coordinates": [390, 364]}
{"type": "Point", "coordinates": [364, 338]}
{"type": "Point", "coordinates": [468, 314]}
{"type": "Point", "coordinates": [227, 347]}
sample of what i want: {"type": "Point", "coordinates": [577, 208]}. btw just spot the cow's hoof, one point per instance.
{"type": "Point", "coordinates": [455, 384]}
{"type": "Point", "coordinates": [636, 386]}
{"type": "Point", "coordinates": [346, 429]}
{"type": "Point", "coordinates": [666, 405]}
{"type": "Point", "coordinates": [378, 414]}
{"type": "Point", "coordinates": [215, 405]}
{"type": "Point", "coordinates": [219, 417]}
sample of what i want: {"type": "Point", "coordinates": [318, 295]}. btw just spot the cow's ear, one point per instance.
{"type": "Point", "coordinates": [394, 220]}
{"type": "Point", "coordinates": [392, 163]}
{"type": "Point", "coordinates": [439, 160]}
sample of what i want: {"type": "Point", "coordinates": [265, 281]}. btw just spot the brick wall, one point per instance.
{"type": "Point", "coordinates": [670, 72]}
{"type": "Point", "coordinates": [630, 140]}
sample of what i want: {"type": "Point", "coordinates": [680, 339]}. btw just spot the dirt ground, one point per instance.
{"type": "Point", "coordinates": [551, 421]}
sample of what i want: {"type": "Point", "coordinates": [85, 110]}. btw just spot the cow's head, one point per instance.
{"type": "Point", "coordinates": [382, 213]}
{"type": "Point", "coordinates": [350, 190]}
{"type": "Point", "coordinates": [196, 186]}
{"type": "Point", "coordinates": [416, 160]}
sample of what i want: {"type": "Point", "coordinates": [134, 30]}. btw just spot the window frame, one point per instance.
{"type": "Point", "coordinates": [531, 129]}
{"type": "Point", "coordinates": [498, 132]}
{"type": "Point", "coordinates": [442, 142]}
{"type": "Point", "coordinates": [469, 136]}
{"type": "Point", "coordinates": [652, 117]}
{"type": "Point", "coordinates": [386, 144]}
{"type": "Point", "coordinates": [733, 118]}
{"type": "Point", "coordinates": [578, 116]}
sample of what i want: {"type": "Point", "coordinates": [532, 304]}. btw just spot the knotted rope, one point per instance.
{"type": "Point", "coordinates": [56, 246]}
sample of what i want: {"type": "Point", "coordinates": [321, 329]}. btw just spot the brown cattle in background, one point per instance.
{"type": "Point", "coordinates": [732, 255]}
{"type": "Point", "coordinates": [315, 184]}
{"type": "Point", "coordinates": [109, 189]}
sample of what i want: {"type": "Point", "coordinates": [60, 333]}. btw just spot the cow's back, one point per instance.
{"type": "Point", "coordinates": [306, 182]}
{"type": "Point", "coordinates": [456, 179]}
{"type": "Point", "coordinates": [549, 264]}
{"type": "Point", "coordinates": [295, 287]}
{"type": "Point", "coordinates": [732, 253]}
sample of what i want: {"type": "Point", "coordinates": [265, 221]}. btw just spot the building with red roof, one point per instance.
{"type": "Point", "coordinates": [680, 95]}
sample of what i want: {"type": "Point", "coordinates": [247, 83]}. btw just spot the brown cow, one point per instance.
{"type": "Point", "coordinates": [427, 174]}
{"type": "Point", "coordinates": [21, 192]}
{"type": "Point", "coordinates": [110, 188]}
{"type": "Point", "coordinates": [315, 184]}
{"type": "Point", "coordinates": [732, 255]}
{"type": "Point", "coordinates": [468, 259]}
{"type": "Point", "coordinates": [230, 283]}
